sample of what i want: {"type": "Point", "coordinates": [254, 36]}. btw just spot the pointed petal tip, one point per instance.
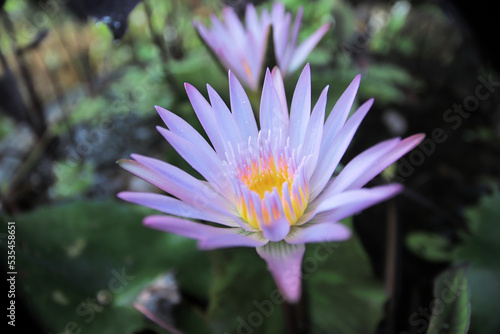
{"type": "Point", "coordinates": [121, 162]}
{"type": "Point", "coordinates": [417, 137]}
{"type": "Point", "coordinates": [369, 102]}
{"type": "Point", "coordinates": [160, 110]}
{"type": "Point", "coordinates": [188, 87]}
{"type": "Point", "coordinates": [284, 261]}
{"type": "Point", "coordinates": [161, 129]}
{"type": "Point", "coordinates": [123, 195]}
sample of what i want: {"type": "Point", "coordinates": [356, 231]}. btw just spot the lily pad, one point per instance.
{"type": "Point", "coordinates": [82, 265]}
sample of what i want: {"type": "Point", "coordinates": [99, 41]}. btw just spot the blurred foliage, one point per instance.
{"type": "Point", "coordinates": [85, 262]}
{"type": "Point", "coordinates": [72, 179]}
{"type": "Point", "coordinates": [70, 249]}
{"type": "Point", "coordinates": [451, 311]}
{"type": "Point", "coordinates": [342, 289]}
{"type": "Point", "coordinates": [480, 251]}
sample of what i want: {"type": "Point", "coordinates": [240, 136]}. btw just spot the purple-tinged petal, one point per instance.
{"type": "Point", "coordinates": [272, 221]}
{"type": "Point", "coordinates": [242, 109]}
{"type": "Point", "coordinates": [280, 89]}
{"type": "Point", "coordinates": [296, 28]}
{"type": "Point", "coordinates": [183, 227]}
{"type": "Point", "coordinates": [281, 26]}
{"type": "Point", "coordinates": [304, 49]}
{"type": "Point", "coordinates": [178, 183]}
{"type": "Point", "coordinates": [383, 162]}
{"type": "Point", "coordinates": [225, 119]}
{"type": "Point", "coordinates": [351, 209]}
{"type": "Point", "coordinates": [314, 133]}
{"type": "Point", "coordinates": [330, 159]}
{"type": "Point", "coordinates": [232, 239]}
{"type": "Point", "coordinates": [371, 162]}
{"type": "Point", "coordinates": [320, 232]}
{"type": "Point", "coordinates": [252, 20]}
{"type": "Point", "coordinates": [277, 230]}
{"type": "Point", "coordinates": [182, 128]}
{"type": "Point", "coordinates": [284, 261]}
{"type": "Point", "coordinates": [361, 196]}
{"type": "Point", "coordinates": [339, 113]}
{"type": "Point", "coordinates": [300, 110]}
{"type": "Point", "coordinates": [292, 43]}
{"type": "Point", "coordinates": [173, 206]}
{"type": "Point", "coordinates": [206, 115]}
{"type": "Point", "coordinates": [233, 24]}
{"type": "Point", "coordinates": [358, 166]}
{"type": "Point", "coordinates": [208, 237]}
{"type": "Point", "coordinates": [209, 167]}
{"type": "Point", "coordinates": [271, 111]}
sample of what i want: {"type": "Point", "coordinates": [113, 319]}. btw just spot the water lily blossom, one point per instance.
{"type": "Point", "coordinates": [289, 55]}
{"type": "Point", "coordinates": [240, 49]}
{"type": "Point", "coordinates": [243, 49]}
{"type": "Point", "coordinates": [267, 186]}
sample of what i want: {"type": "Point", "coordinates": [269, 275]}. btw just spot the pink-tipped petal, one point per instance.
{"type": "Point", "coordinates": [300, 110]}
{"type": "Point", "coordinates": [280, 89]}
{"type": "Point", "coordinates": [173, 206]}
{"type": "Point", "coordinates": [314, 133]}
{"type": "Point", "coordinates": [333, 154]}
{"type": "Point", "coordinates": [348, 210]}
{"type": "Point", "coordinates": [176, 182]}
{"type": "Point", "coordinates": [179, 126]}
{"type": "Point", "coordinates": [232, 239]}
{"type": "Point", "coordinates": [390, 157]}
{"type": "Point", "coordinates": [281, 29]}
{"type": "Point", "coordinates": [233, 24]}
{"type": "Point", "coordinates": [292, 43]}
{"type": "Point", "coordinates": [320, 232]}
{"type": "Point", "coordinates": [361, 196]}
{"type": "Point", "coordinates": [271, 112]}
{"type": "Point", "coordinates": [371, 162]}
{"type": "Point", "coordinates": [225, 119]}
{"type": "Point", "coordinates": [206, 115]}
{"type": "Point", "coordinates": [208, 237]}
{"type": "Point", "coordinates": [183, 227]}
{"type": "Point", "coordinates": [241, 108]}
{"type": "Point", "coordinates": [284, 262]}
{"type": "Point", "coordinates": [339, 113]}
{"type": "Point", "coordinates": [305, 48]}
{"type": "Point", "coordinates": [209, 167]}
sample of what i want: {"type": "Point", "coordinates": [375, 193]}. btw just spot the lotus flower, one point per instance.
{"type": "Point", "coordinates": [238, 49]}
{"type": "Point", "coordinates": [289, 56]}
{"type": "Point", "coordinates": [269, 187]}
{"type": "Point", "coordinates": [242, 50]}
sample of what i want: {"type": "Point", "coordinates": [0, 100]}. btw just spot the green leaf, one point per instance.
{"type": "Point", "coordinates": [451, 306]}
{"type": "Point", "coordinates": [431, 247]}
{"type": "Point", "coordinates": [342, 289]}
{"type": "Point", "coordinates": [243, 298]}
{"type": "Point", "coordinates": [82, 265]}
{"type": "Point", "coordinates": [338, 284]}
{"type": "Point", "coordinates": [481, 251]}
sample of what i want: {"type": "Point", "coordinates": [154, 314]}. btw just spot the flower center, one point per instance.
{"type": "Point", "coordinates": [266, 176]}
{"type": "Point", "coordinates": [269, 185]}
